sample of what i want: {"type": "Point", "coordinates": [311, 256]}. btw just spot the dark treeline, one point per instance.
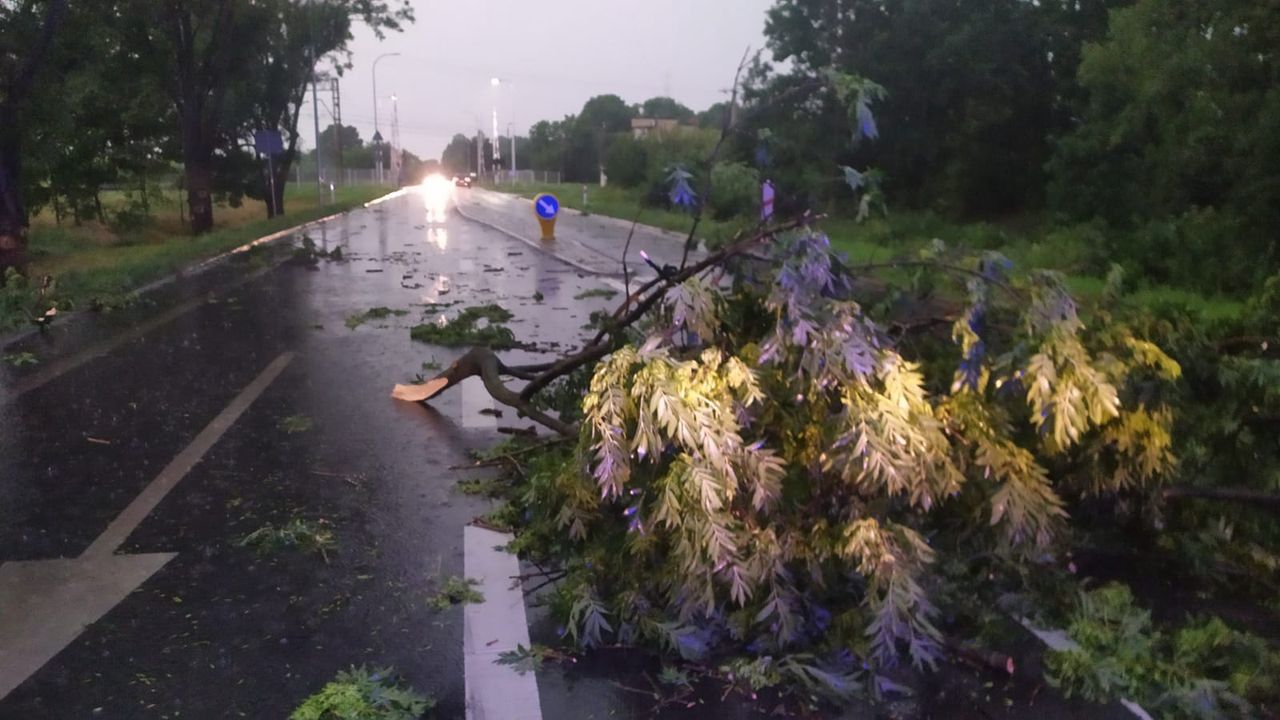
{"type": "Point", "coordinates": [1150, 128]}
{"type": "Point", "coordinates": [97, 93]}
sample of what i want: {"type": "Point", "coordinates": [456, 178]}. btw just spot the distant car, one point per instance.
{"type": "Point", "coordinates": [463, 181]}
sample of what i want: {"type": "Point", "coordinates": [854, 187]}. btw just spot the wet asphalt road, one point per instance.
{"type": "Point", "coordinates": [221, 632]}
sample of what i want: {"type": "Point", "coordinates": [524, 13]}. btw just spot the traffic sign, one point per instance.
{"type": "Point", "coordinates": [547, 206]}
{"type": "Point", "coordinates": [268, 142]}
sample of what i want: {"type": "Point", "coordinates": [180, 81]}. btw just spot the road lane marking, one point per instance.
{"type": "Point", "coordinates": [536, 245]}
{"type": "Point", "coordinates": [495, 692]}
{"type": "Point", "coordinates": [126, 522]}
{"type": "Point", "coordinates": [46, 604]}
{"type": "Point", "coordinates": [57, 368]}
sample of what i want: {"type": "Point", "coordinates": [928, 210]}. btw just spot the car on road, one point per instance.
{"type": "Point", "coordinates": [463, 181]}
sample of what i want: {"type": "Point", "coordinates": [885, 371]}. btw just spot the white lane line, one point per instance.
{"type": "Point", "coordinates": [125, 523]}
{"type": "Point", "coordinates": [474, 399]}
{"type": "Point", "coordinates": [46, 604]}
{"type": "Point", "coordinates": [495, 692]}
{"type": "Point", "coordinates": [61, 366]}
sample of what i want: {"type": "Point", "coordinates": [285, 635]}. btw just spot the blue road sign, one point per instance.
{"type": "Point", "coordinates": [547, 207]}
{"type": "Point", "coordinates": [268, 142]}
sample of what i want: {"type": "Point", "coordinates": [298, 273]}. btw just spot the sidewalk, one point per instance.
{"type": "Point", "coordinates": [592, 243]}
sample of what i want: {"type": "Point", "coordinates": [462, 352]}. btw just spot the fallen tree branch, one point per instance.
{"type": "Point", "coordinates": [1246, 496]}
{"type": "Point", "coordinates": [981, 657]}
{"type": "Point", "coordinates": [483, 363]}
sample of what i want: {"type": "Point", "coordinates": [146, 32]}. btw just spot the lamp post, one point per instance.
{"type": "Point", "coordinates": [396, 158]}
{"type": "Point", "coordinates": [512, 137]}
{"type": "Point", "coordinates": [496, 83]}
{"type": "Point", "coordinates": [376, 134]}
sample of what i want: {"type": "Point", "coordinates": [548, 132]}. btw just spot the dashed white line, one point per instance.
{"type": "Point", "coordinates": [125, 523]}
{"type": "Point", "coordinates": [495, 692]}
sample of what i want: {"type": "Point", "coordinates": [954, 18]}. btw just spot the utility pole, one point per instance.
{"type": "Point", "coordinates": [377, 136]}
{"type": "Point", "coordinates": [497, 153]}
{"type": "Point", "coordinates": [315, 107]}
{"type": "Point", "coordinates": [512, 136]}
{"type": "Point", "coordinates": [396, 158]}
{"type": "Point", "coordinates": [337, 121]}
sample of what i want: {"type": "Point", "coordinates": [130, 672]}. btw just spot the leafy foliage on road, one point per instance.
{"type": "Point", "coordinates": [479, 325]}
{"type": "Point", "coordinates": [361, 694]}
{"type": "Point", "coordinates": [1204, 669]}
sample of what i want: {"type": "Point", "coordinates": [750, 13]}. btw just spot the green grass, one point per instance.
{"type": "Point", "coordinates": [90, 262]}
{"type": "Point", "coordinates": [1029, 241]}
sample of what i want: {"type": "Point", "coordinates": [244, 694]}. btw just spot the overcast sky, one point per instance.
{"type": "Point", "coordinates": [552, 55]}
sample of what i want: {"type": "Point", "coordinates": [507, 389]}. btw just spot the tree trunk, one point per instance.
{"type": "Point", "coordinates": [197, 161]}
{"type": "Point", "coordinates": [13, 213]}
{"type": "Point", "coordinates": [16, 91]}
{"type": "Point", "coordinates": [283, 166]}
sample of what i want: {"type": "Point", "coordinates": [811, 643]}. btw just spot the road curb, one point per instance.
{"type": "Point", "coordinates": [535, 244]}
{"type": "Point", "coordinates": [672, 236]}
{"type": "Point", "coordinates": [198, 267]}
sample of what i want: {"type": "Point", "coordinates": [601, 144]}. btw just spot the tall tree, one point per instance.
{"type": "Point", "coordinates": [601, 116]}
{"type": "Point", "coordinates": [219, 58]}
{"type": "Point", "coordinates": [977, 88]}
{"type": "Point", "coordinates": [1183, 117]}
{"type": "Point", "coordinates": [665, 107]}
{"type": "Point", "coordinates": [27, 32]}
{"type": "Point", "coordinates": [300, 35]}
{"type": "Point", "coordinates": [548, 144]}
{"type": "Point", "coordinates": [459, 156]}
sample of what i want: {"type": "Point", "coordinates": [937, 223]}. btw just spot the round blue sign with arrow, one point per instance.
{"type": "Point", "coordinates": [547, 206]}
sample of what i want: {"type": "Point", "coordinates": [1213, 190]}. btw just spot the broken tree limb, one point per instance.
{"type": "Point", "coordinates": [981, 657]}
{"type": "Point", "coordinates": [483, 363]}
{"type": "Point", "coordinates": [1245, 496]}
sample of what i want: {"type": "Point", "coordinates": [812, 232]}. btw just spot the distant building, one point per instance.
{"type": "Point", "coordinates": [642, 126]}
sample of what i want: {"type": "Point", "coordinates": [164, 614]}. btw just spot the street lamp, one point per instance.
{"type": "Point", "coordinates": [396, 159]}
{"type": "Point", "coordinates": [512, 136]}
{"type": "Point", "coordinates": [496, 83]}
{"type": "Point", "coordinates": [376, 133]}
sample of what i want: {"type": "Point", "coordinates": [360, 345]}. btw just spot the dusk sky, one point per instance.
{"type": "Point", "coordinates": [552, 55]}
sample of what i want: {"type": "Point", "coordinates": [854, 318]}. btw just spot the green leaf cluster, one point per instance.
{"type": "Point", "coordinates": [360, 694]}
{"type": "Point", "coordinates": [479, 325]}
{"type": "Point", "coordinates": [1204, 669]}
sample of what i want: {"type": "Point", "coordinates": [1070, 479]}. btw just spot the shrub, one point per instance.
{"type": "Point", "coordinates": [735, 191]}
{"type": "Point", "coordinates": [626, 161]}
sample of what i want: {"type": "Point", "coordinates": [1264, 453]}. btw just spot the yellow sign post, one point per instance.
{"type": "Point", "coordinates": [546, 207]}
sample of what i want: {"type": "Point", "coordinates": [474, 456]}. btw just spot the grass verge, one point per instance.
{"type": "Point", "coordinates": [1028, 241]}
{"type": "Point", "coordinates": [93, 265]}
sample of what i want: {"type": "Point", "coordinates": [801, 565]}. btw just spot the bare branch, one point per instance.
{"type": "Point", "coordinates": [1246, 496]}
